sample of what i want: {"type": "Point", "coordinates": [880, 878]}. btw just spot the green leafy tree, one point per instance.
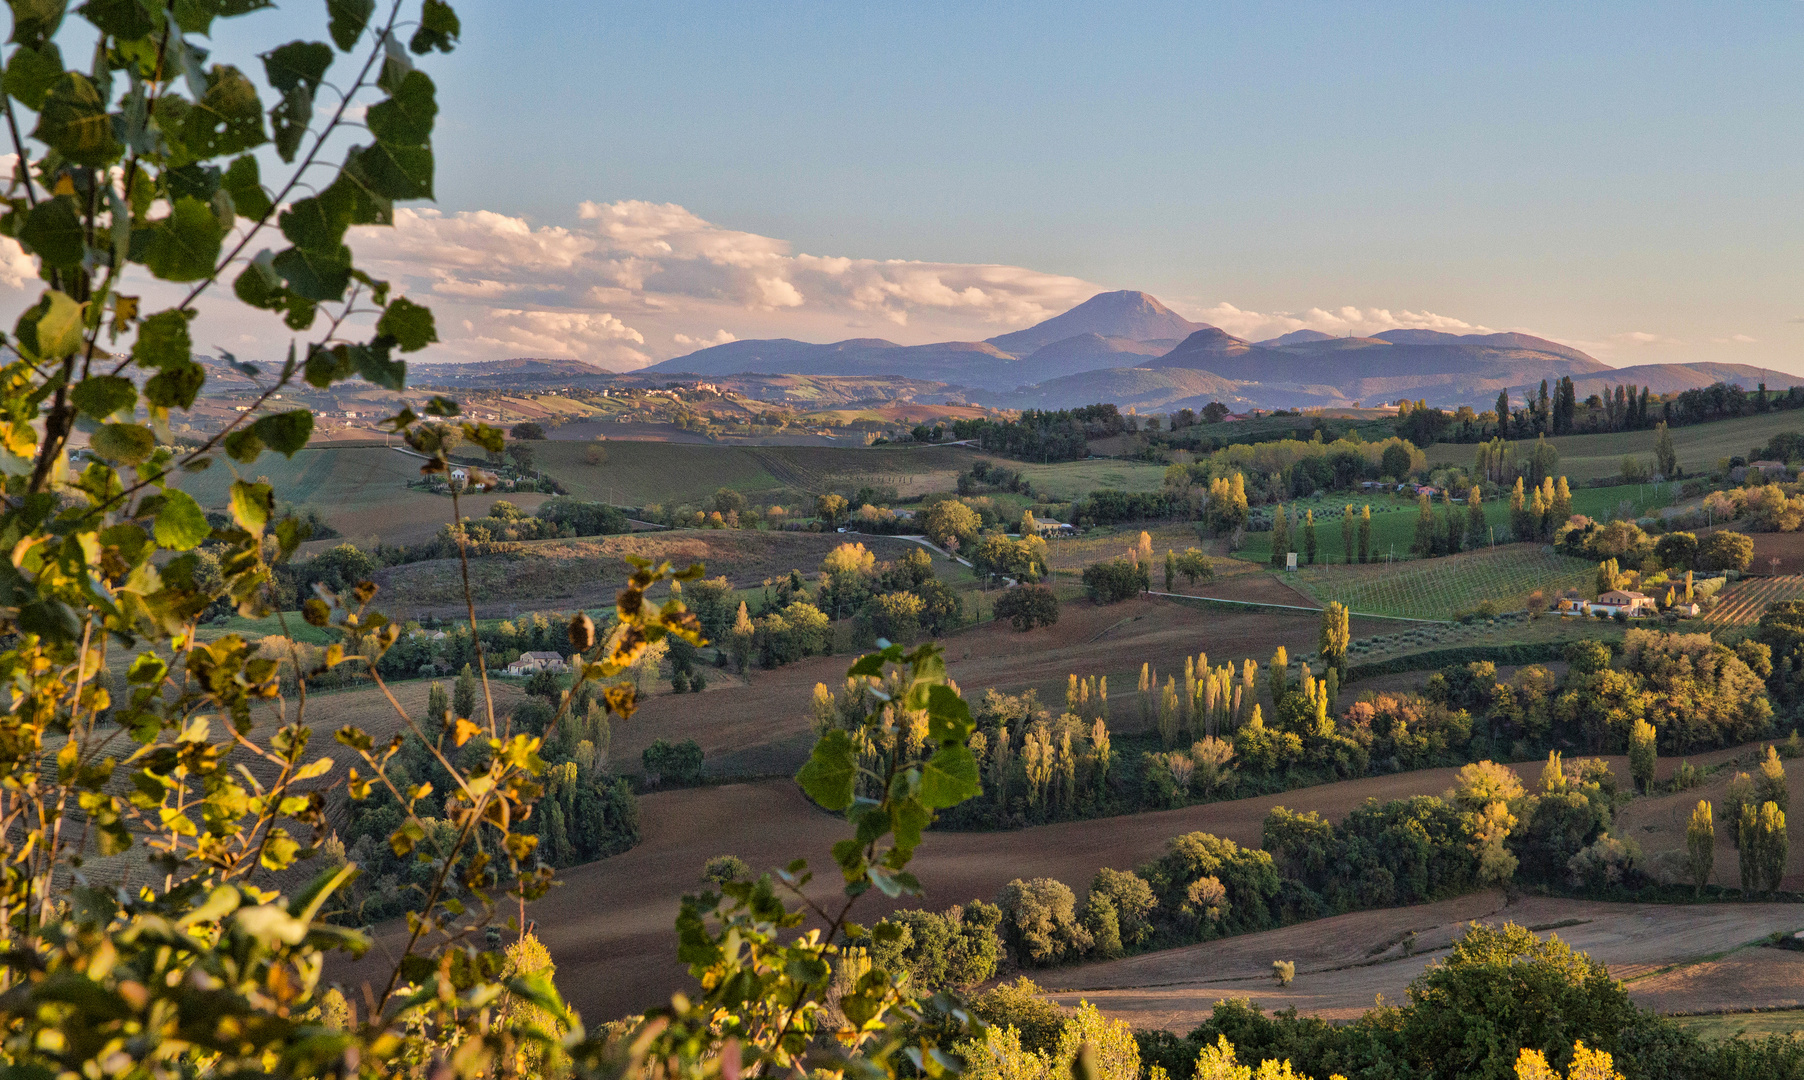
{"type": "Point", "coordinates": [1309, 536]}
{"type": "Point", "coordinates": [1336, 635]}
{"type": "Point", "coordinates": [1503, 990]}
{"type": "Point", "coordinates": [1666, 459]}
{"type": "Point", "coordinates": [1423, 545]}
{"type": "Point", "coordinates": [950, 521]}
{"type": "Point", "coordinates": [1700, 845]}
{"type": "Point", "coordinates": [1643, 757]}
{"type": "Point", "coordinates": [463, 693]}
{"type": "Point", "coordinates": [1346, 534]}
{"type": "Point", "coordinates": [1475, 519]}
{"type": "Point", "coordinates": [1365, 533]}
{"type": "Point", "coordinates": [1280, 535]}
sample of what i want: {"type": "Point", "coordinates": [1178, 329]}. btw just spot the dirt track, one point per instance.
{"type": "Point", "coordinates": [1346, 963]}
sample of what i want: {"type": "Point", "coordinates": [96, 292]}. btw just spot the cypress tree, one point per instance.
{"type": "Point", "coordinates": [1365, 533]}
{"type": "Point", "coordinates": [1475, 518]}
{"type": "Point", "coordinates": [1309, 535]}
{"type": "Point", "coordinates": [1346, 534]}
{"type": "Point", "coordinates": [1280, 535]}
{"type": "Point", "coordinates": [1423, 546]}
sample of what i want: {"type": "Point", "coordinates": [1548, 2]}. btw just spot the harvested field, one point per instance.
{"type": "Point", "coordinates": [1716, 1026]}
{"type": "Point", "coordinates": [1658, 822]}
{"type": "Point", "coordinates": [1344, 963]}
{"type": "Point", "coordinates": [1073, 553]}
{"type": "Point", "coordinates": [672, 474]}
{"type": "Point", "coordinates": [1788, 548]}
{"type": "Point", "coordinates": [360, 489]}
{"type": "Point", "coordinates": [587, 572]}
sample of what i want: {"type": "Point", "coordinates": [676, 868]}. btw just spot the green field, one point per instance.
{"type": "Point", "coordinates": [1394, 519]}
{"type": "Point", "coordinates": [1439, 588]}
{"type": "Point", "coordinates": [1699, 446]}
{"type": "Point", "coordinates": [1074, 479]}
{"type": "Point", "coordinates": [1716, 1026]}
{"type": "Point", "coordinates": [672, 474]}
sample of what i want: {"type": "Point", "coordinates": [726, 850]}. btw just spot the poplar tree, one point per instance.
{"type": "Point", "coordinates": [1365, 533]}
{"type": "Point", "coordinates": [1643, 758]}
{"type": "Point", "coordinates": [1309, 536]}
{"type": "Point", "coordinates": [1280, 535]}
{"type": "Point", "coordinates": [1346, 534]}
{"type": "Point", "coordinates": [1700, 846]}
{"type": "Point", "coordinates": [1475, 518]}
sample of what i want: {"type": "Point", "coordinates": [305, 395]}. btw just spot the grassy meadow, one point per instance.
{"type": "Point", "coordinates": [1700, 446]}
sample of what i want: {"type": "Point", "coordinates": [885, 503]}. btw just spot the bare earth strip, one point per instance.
{"type": "Point", "coordinates": [1346, 963]}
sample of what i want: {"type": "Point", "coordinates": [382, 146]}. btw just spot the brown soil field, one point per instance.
{"type": "Point", "coordinates": [1658, 823]}
{"type": "Point", "coordinates": [1347, 963]}
{"type": "Point", "coordinates": [762, 728]}
{"type": "Point", "coordinates": [609, 927]}
{"type": "Point", "coordinates": [1788, 548]}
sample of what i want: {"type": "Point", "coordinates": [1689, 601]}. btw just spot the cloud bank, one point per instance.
{"type": "Point", "coordinates": [637, 282]}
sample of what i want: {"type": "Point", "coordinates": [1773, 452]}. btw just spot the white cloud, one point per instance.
{"type": "Point", "coordinates": [1736, 339]}
{"type": "Point", "coordinates": [1359, 322]}
{"type": "Point", "coordinates": [719, 337]}
{"type": "Point", "coordinates": [639, 271]}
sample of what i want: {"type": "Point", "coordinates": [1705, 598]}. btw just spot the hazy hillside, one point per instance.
{"type": "Point", "coordinates": [977, 363]}
{"type": "Point", "coordinates": [1671, 378]}
{"type": "Point", "coordinates": [1126, 314]}
{"type": "Point", "coordinates": [1088, 352]}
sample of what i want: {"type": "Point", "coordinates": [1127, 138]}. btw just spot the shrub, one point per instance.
{"type": "Point", "coordinates": [1115, 580]}
{"type": "Point", "coordinates": [724, 868]}
{"type": "Point", "coordinates": [1725, 550]}
{"type": "Point", "coordinates": [673, 763]}
{"type": "Point", "coordinates": [1028, 606]}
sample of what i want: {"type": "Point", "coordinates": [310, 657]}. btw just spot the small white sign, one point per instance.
{"type": "Point", "coordinates": [1290, 561]}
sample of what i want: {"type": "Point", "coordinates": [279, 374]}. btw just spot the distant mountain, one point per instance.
{"type": "Point", "coordinates": [502, 372]}
{"type": "Point", "coordinates": [1295, 337]}
{"type": "Point", "coordinates": [1672, 378]}
{"type": "Point", "coordinates": [1445, 369]}
{"type": "Point", "coordinates": [1126, 314]}
{"type": "Point", "coordinates": [1088, 352]}
{"type": "Point", "coordinates": [972, 363]}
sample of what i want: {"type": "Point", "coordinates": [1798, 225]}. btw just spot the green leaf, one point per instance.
{"type": "Point", "coordinates": [183, 246]}
{"type": "Point", "coordinates": [176, 386]}
{"type": "Point", "coordinates": [828, 776]}
{"type": "Point", "coordinates": [50, 329]}
{"type": "Point", "coordinates": [353, 198]}
{"type": "Point", "coordinates": [315, 224]}
{"type": "Point", "coordinates": [163, 340]}
{"type": "Point", "coordinates": [410, 324]}
{"type": "Point", "coordinates": [197, 180]}
{"type": "Point", "coordinates": [405, 118]}
{"type": "Point", "coordinates": [345, 20]}
{"type": "Point", "coordinates": [289, 119]}
{"type": "Point", "coordinates": [32, 72]}
{"type": "Point", "coordinates": [36, 20]}
{"type": "Point", "coordinates": [228, 119]}
{"type": "Point", "coordinates": [246, 187]}
{"type": "Point", "coordinates": [298, 63]}
{"type": "Point", "coordinates": [949, 777]}
{"type": "Point", "coordinates": [181, 523]}
{"type": "Point", "coordinates": [316, 275]}
{"type": "Point", "coordinates": [53, 232]}
{"type": "Point", "coordinates": [396, 172]}
{"type": "Point", "coordinates": [124, 19]}
{"type": "Point", "coordinates": [375, 366]}
{"type": "Point", "coordinates": [126, 444]}
{"type": "Point", "coordinates": [439, 28]}
{"type": "Point", "coordinates": [258, 285]}
{"type": "Point", "coordinates": [75, 123]}
{"type": "Point", "coordinates": [252, 505]}
{"type": "Point", "coordinates": [948, 717]}
{"type": "Point", "coordinates": [100, 396]}
{"type": "Point", "coordinates": [327, 366]}
{"type": "Point", "coordinates": [285, 432]}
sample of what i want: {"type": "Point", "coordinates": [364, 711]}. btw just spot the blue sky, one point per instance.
{"type": "Point", "coordinates": [1622, 177]}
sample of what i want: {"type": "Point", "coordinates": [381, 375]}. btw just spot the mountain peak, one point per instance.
{"type": "Point", "coordinates": [1123, 314]}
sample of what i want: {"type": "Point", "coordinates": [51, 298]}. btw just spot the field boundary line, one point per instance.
{"type": "Point", "coordinates": [1296, 607]}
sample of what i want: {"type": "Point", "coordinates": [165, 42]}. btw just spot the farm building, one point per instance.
{"type": "Point", "coordinates": [1633, 603]}
{"type": "Point", "coordinates": [531, 663]}
{"type": "Point", "coordinates": [1048, 527]}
